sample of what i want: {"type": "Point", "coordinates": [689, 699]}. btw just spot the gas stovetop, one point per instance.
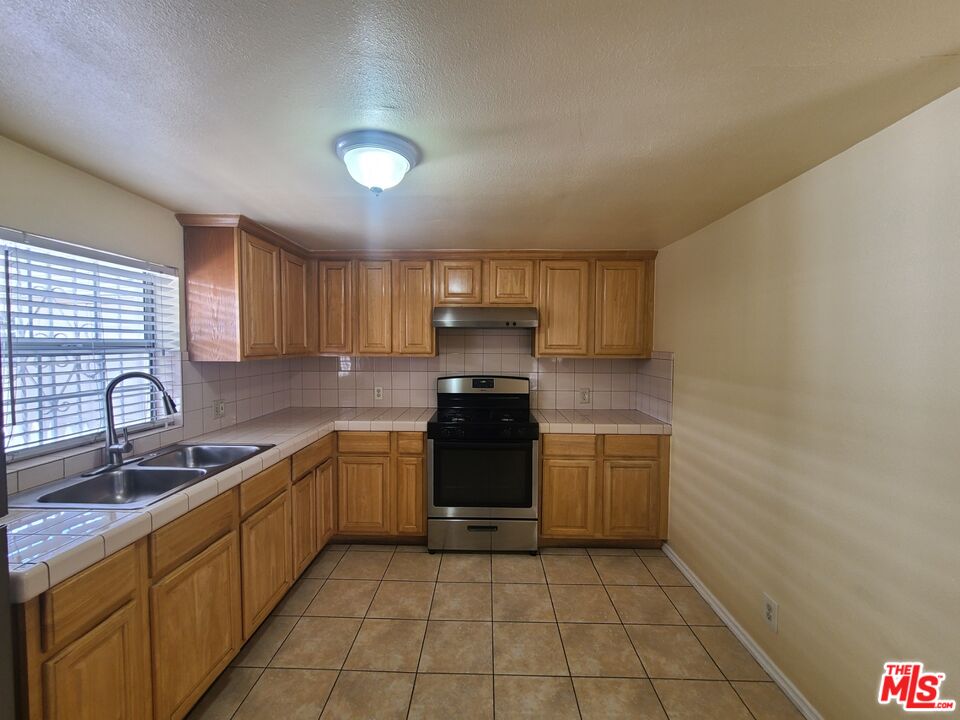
{"type": "Point", "coordinates": [483, 407]}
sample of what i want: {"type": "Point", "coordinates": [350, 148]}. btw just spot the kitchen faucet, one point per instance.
{"type": "Point", "coordinates": [114, 448]}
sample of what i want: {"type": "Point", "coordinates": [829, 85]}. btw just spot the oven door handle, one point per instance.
{"type": "Point", "coordinates": [483, 528]}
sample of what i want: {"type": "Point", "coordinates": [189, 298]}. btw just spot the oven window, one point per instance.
{"type": "Point", "coordinates": [483, 474]}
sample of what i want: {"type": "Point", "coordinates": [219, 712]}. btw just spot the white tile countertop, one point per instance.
{"type": "Point", "coordinates": [48, 546]}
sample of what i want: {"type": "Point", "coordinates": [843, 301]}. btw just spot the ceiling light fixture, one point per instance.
{"type": "Point", "coordinates": [375, 158]}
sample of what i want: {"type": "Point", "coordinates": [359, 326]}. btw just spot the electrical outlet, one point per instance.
{"type": "Point", "coordinates": [218, 408]}
{"type": "Point", "coordinates": [584, 396]}
{"type": "Point", "coordinates": [378, 393]}
{"type": "Point", "coordinates": [771, 612]}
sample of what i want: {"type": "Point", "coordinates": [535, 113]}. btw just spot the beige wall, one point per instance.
{"type": "Point", "coordinates": [816, 449]}
{"type": "Point", "coordinates": [44, 196]}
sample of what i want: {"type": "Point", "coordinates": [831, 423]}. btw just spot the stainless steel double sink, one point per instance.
{"type": "Point", "coordinates": [141, 481]}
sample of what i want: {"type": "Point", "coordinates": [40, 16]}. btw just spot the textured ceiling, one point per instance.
{"type": "Point", "coordinates": [544, 124]}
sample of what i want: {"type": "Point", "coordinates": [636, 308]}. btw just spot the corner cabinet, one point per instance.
{"type": "Point", "coordinates": [623, 304]}
{"type": "Point", "coordinates": [249, 292]}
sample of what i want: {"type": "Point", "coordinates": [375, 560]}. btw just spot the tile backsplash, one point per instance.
{"type": "Point", "coordinates": [411, 382]}
{"type": "Point", "coordinates": [655, 386]}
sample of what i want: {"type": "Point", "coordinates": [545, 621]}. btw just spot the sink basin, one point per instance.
{"type": "Point", "coordinates": [126, 486]}
{"type": "Point", "coordinates": [202, 456]}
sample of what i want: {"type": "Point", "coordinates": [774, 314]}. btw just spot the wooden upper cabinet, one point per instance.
{"type": "Point", "coordinates": [564, 307]}
{"type": "Point", "coordinates": [297, 286]}
{"type": "Point", "coordinates": [374, 297]}
{"type": "Point", "coordinates": [335, 291]}
{"type": "Point", "coordinates": [259, 297]}
{"type": "Point", "coordinates": [511, 282]}
{"type": "Point", "coordinates": [413, 308]}
{"type": "Point", "coordinates": [623, 308]}
{"type": "Point", "coordinates": [459, 282]}
{"type": "Point", "coordinates": [631, 498]}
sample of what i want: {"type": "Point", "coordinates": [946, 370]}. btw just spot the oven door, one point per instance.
{"type": "Point", "coordinates": [482, 479]}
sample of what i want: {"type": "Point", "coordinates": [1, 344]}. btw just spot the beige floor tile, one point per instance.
{"type": "Point", "coordinates": [527, 649]}
{"type": "Point", "coordinates": [457, 647]}
{"type": "Point", "coordinates": [413, 566]}
{"type": "Point", "coordinates": [534, 698]}
{"type": "Point", "coordinates": [522, 603]}
{"type": "Point", "coordinates": [692, 607]}
{"type": "Point", "coordinates": [441, 697]}
{"type": "Point", "coordinates": [288, 694]}
{"type": "Point", "coordinates": [465, 567]}
{"type": "Point", "coordinates": [362, 566]}
{"type": "Point", "coordinates": [402, 600]}
{"type": "Point", "coordinates": [766, 701]}
{"type": "Point", "coordinates": [643, 604]}
{"type": "Point", "coordinates": [623, 570]}
{"type": "Point", "coordinates": [387, 645]}
{"type": "Point", "coordinates": [567, 570]}
{"type": "Point", "coordinates": [324, 564]}
{"type": "Point", "coordinates": [602, 552]}
{"type": "Point", "coordinates": [672, 652]}
{"type": "Point", "coordinates": [617, 699]}
{"type": "Point", "coordinates": [260, 649]}
{"type": "Point", "coordinates": [563, 551]}
{"type": "Point", "coordinates": [649, 552]}
{"type": "Point", "coordinates": [732, 657]}
{"type": "Point", "coordinates": [372, 547]}
{"type": "Point", "coordinates": [600, 651]}
{"type": "Point", "coordinates": [223, 698]}
{"type": "Point", "coordinates": [663, 569]}
{"type": "Point", "coordinates": [343, 598]}
{"type": "Point", "coordinates": [299, 597]}
{"type": "Point", "coordinates": [697, 699]}
{"type": "Point", "coordinates": [317, 642]}
{"type": "Point", "coordinates": [582, 603]}
{"type": "Point", "coordinates": [517, 569]}
{"type": "Point", "coordinates": [462, 601]}
{"type": "Point", "coordinates": [362, 695]}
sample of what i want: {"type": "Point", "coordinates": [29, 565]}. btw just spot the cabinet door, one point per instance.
{"type": "Point", "coordinates": [564, 307]}
{"type": "Point", "coordinates": [326, 503]}
{"type": "Point", "coordinates": [630, 498]}
{"type": "Point", "coordinates": [511, 282]}
{"type": "Point", "coordinates": [100, 675]}
{"type": "Point", "coordinates": [260, 297]}
{"type": "Point", "coordinates": [569, 502]}
{"type": "Point", "coordinates": [265, 560]}
{"type": "Point", "coordinates": [335, 285]}
{"type": "Point", "coordinates": [459, 282]}
{"type": "Point", "coordinates": [374, 298]}
{"type": "Point", "coordinates": [620, 306]}
{"type": "Point", "coordinates": [413, 308]}
{"type": "Point", "coordinates": [299, 320]}
{"type": "Point", "coordinates": [411, 510]}
{"type": "Point", "coordinates": [363, 495]}
{"type": "Point", "coordinates": [303, 503]}
{"type": "Point", "coordinates": [194, 626]}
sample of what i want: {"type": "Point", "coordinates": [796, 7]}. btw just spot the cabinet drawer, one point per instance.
{"type": "Point", "coordinates": [570, 445]}
{"type": "Point", "coordinates": [263, 486]}
{"type": "Point", "coordinates": [645, 446]}
{"type": "Point", "coordinates": [410, 443]}
{"type": "Point", "coordinates": [79, 603]}
{"type": "Point", "coordinates": [312, 455]}
{"type": "Point", "coordinates": [367, 443]}
{"type": "Point", "coordinates": [177, 542]}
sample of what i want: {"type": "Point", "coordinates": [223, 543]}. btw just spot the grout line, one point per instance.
{"type": "Point", "coordinates": [563, 646]}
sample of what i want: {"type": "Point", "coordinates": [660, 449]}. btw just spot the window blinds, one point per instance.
{"type": "Point", "coordinates": [73, 319]}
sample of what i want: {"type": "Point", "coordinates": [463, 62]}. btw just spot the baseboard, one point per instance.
{"type": "Point", "coordinates": [789, 689]}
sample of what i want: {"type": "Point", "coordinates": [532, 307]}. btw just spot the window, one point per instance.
{"type": "Point", "coordinates": [72, 319]}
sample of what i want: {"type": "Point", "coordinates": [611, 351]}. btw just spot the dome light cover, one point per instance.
{"type": "Point", "coordinates": [376, 159]}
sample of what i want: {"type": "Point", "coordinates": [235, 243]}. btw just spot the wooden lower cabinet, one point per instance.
{"type": "Point", "coordinates": [363, 495]}
{"type": "Point", "coordinates": [99, 676]}
{"type": "Point", "coordinates": [265, 560]}
{"type": "Point", "coordinates": [194, 626]}
{"type": "Point", "coordinates": [326, 502]}
{"type": "Point", "coordinates": [627, 502]}
{"type": "Point", "coordinates": [303, 503]}
{"type": "Point", "coordinates": [411, 510]}
{"type": "Point", "coordinates": [569, 507]}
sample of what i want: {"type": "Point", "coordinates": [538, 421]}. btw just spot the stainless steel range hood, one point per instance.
{"type": "Point", "coordinates": [485, 317]}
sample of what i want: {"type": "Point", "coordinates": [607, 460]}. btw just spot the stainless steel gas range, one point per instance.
{"type": "Point", "coordinates": [482, 465]}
